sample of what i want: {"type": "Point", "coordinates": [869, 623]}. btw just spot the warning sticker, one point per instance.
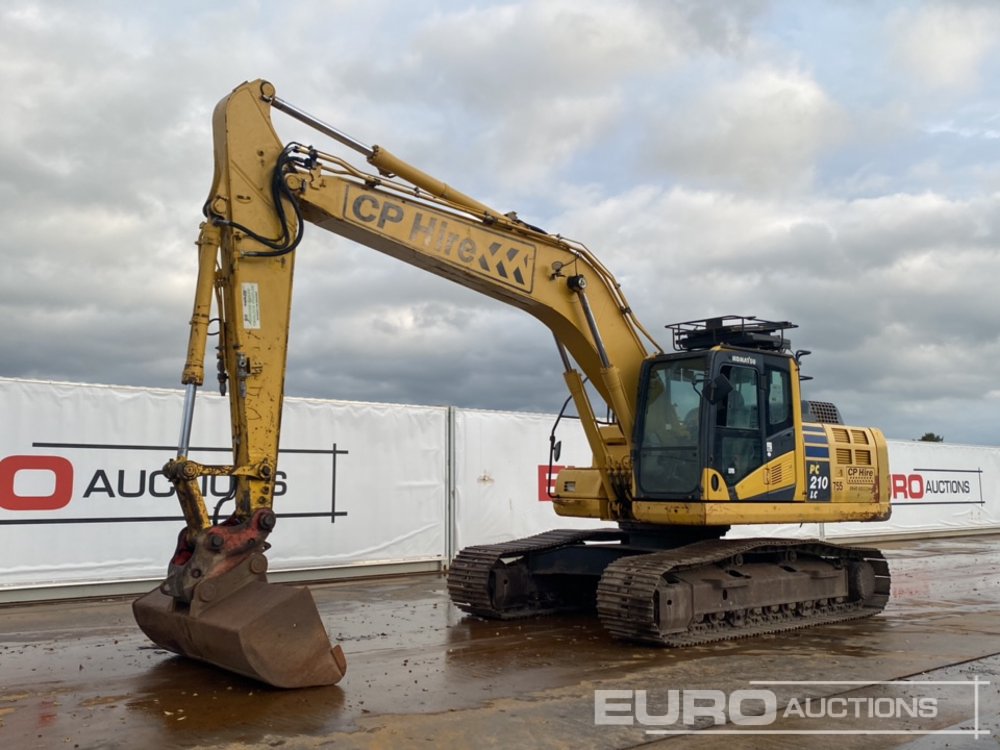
{"type": "Point", "coordinates": [251, 305]}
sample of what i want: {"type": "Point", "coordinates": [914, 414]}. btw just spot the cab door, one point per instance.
{"type": "Point", "coordinates": [753, 425]}
{"type": "Point", "coordinates": [737, 445]}
{"type": "Point", "coordinates": [668, 455]}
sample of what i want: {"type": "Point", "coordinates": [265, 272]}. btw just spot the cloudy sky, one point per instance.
{"type": "Point", "coordinates": [836, 164]}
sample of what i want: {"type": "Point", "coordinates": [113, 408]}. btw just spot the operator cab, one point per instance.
{"type": "Point", "coordinates": [723, 402]}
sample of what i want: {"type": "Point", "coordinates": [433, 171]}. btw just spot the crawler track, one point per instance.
{"type": "Point", "coordinates": [629, 595]}
{"type": "Point", "coordinates": [628, 591]}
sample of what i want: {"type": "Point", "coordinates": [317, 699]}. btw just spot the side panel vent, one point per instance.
{"type": "Point", "coordinates": [774, 475]}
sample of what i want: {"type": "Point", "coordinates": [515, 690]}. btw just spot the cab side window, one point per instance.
{"type": "Point", "coordinates": [740, 409]}
{"type": "Point", "coordinates": [737, 449]}
{"type": "Point", "coordinates": [779, 401]}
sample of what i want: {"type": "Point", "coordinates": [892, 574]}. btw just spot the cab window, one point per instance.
{"type": "Point", "coordinates": [669, 457]}
{"type": "Point", "coordinates": [779, 400]}
{"type": "Point", "coordinates": [737, 445]}
{"type": "Point", "coordinates": [740, 408]}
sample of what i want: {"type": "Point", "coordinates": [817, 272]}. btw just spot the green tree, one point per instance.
{"type": "Point", "coordinates": [930, 437]}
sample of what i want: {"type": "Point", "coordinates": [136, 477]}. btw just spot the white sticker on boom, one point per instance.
{"type": "Point", "coordinates": [251, 305]}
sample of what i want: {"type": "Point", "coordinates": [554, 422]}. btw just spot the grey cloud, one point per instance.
{"type": "Point", "coordinates": [751, 206]}
{"type": "Point", "coordinates": [763, 130]}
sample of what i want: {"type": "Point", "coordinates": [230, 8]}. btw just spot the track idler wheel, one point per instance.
{"type": "Point", "coordinates": [860, 580]}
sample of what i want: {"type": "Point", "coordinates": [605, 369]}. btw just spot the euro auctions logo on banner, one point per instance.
{"type": "Point", "coordinates": [52, 482]}
{"type": "Point", "coordinates": [88, 482]}
{"type": "Point", "coordinates": [938, 486]}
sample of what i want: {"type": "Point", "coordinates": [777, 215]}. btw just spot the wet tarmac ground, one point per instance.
{"type": "Point", "coordinates": [420, 674]}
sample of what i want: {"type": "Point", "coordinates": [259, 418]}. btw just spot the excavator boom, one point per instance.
{"type": "Point", "coordinates": [215, 603]}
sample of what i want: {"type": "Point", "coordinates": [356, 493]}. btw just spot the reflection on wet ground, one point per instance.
{"type": "Point", "coordinates": [80, 674]}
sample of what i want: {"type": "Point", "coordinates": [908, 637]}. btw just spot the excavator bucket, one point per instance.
{"type": "Point", "coordinates": [270, 632]}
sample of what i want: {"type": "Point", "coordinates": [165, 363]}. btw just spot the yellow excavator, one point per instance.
{"type": "Point", "coordinates": [709, 435]}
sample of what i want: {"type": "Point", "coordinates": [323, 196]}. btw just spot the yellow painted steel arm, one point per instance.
{"type": "Point", "coordinates": [405, 213]}
{"type": "Point", "coordinates": [255, 285]}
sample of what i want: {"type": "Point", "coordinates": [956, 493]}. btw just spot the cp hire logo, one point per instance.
{"type": "Point", "coordinates": [471, 247]}
{"type": "Point", "coordinates": [901, 707]}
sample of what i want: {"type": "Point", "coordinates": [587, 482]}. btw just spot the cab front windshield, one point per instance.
{"type": "Point", "coordinates": [669, 457]}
